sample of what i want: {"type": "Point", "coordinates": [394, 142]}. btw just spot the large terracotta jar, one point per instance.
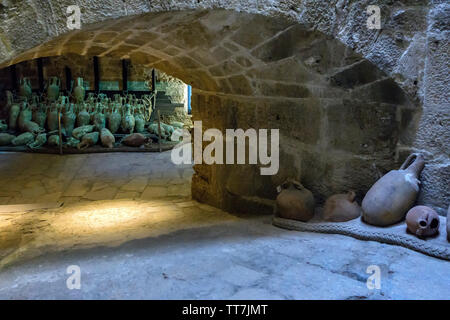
{"type": "Point", "coordinates": [53, 89]}
{"type": "Point", "coordinates": [79, 91]}
{"type": "Point", "coordinates": [25, 88]}
{"type": "Point", "coordinates": [294, 201]}
{"type": "Point", "coordinates": [390, 198]}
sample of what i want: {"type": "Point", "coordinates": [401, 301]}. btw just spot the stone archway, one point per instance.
{"type": "Point", "coordinates": [338, 112]}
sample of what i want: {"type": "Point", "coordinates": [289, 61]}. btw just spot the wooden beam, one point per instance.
{"type": "Point", "coordinates": [96, 75]}
{"type": "Point", "coordinates": [13, 74]}
{"type": "Point", "coordinates": [125, 64]}
{"type": "Point", "coordinates": [40, 75]}
{"type": "Point", "coordinates": [68, 79]}
{"type": "Point", "coordinates": [154, 89]}
{"type": "Point", "coordinates": [153, 80]}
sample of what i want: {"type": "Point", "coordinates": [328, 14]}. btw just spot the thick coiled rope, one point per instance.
{"type": "Point", "coordinates": [433, 249]}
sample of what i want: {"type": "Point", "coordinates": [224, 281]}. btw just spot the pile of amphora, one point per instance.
{"type": "Point", "coordinates": [36, 120]}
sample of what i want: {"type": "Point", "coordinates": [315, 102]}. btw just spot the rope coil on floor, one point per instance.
{"type": "Point", "coordinates": [436, 250]}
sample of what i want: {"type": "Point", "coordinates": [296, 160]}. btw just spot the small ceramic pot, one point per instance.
{"type": "Point", "coordinates": [294, 201]}
{"type": "Point", "coordinates": [422, 221]}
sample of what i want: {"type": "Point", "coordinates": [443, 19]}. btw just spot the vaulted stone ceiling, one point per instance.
{"type": "Point", "coordinates": [291, 65]}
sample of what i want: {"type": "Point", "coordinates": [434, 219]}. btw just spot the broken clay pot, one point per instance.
{"type": "Point", "coordinates": [422, 221]}
{"type": "Point", "coordinates": [390, 198]}
{"type": "Point", "coordinates": [294, 201]}
{"type": "Point", "coordinates": [341, 207]}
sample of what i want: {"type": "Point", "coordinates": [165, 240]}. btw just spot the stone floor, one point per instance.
{"type": "Point", "coordinates": [128, 223]}
{"type": "Point", "coordinates": [30, 178]}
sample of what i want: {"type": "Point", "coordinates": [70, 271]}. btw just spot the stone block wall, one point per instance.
{"type": "Point", "coordinates": [351, 102]}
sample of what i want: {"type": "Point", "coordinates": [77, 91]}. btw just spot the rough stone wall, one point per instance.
{"type": "Point", "coordinates": [218, 54]}
{"type": "Point", "coordinates": [174, 87]}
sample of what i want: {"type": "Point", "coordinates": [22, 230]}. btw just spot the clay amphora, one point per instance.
{"type": "Point", "coordinates": [68, 119]}
{"type": "Point", "coordinates": [88, 140]}
{"type": "Point", "coordinates": [40, 115]}
{"type": "Point", "coordinates": [53, 140]}
{"type": "Point", "coordinates": [177, 124]}
{"type": "Point", "coordinates": [128, 121]}
{"type": "Point", "coordinates": [41, 139]}
{"type": "Point", "coordinates": [83, 117]}
{"type": "Point", "coordinates": [79, 132]}
{"type": "Point", "coordinates": [25, 88]}
{"type": "Point", "coordinates": [78, 91]}
{"type": "Point", "coordinates": [154, 128]}
{"type": "Point", "coordinates": [32, 127]}
{"type": "Point", "coordinates": [13, 115]}
{"type": "Point", "coordinates": [168, 129]}
{"type": "Point", "coordinates": [24, 116]}
{"type": "Point", "coordinates": [6, 139]}
{"type": "Point", "coordinates": [3, 126]}
{"type": "Point", "coordinates": [294, 201]}
{"type": "Point", "coordinates": [341, 207]}
{"type": "Point", "coordinates": [9, 99]}
{"type": "Point", "coordinates": [390, 198]}
{"type": "Point", "coordinates": [422, 221]}
{"type": "Point", "coordinates": [52, 118]}
{"type": "Point", "coordinates": [72, 142]}
{"type": "Point", "coordinates": [99, 118]}
{"type": "Point", "coordinates": [53, 89]}
{"type": "Point", "coordinates": [23, 139]}
{"type": "Point", "coordinates": [107, 138]}
{"type": "Point", "coordinates": [114, 120]}
{"type": "Point", "coordinates": [139, 121]}
{"type": "Point", "coordinates": [135, 140]}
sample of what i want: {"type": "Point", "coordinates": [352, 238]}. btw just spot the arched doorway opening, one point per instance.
{"type": "Point", "coordinates": [337, 113]}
